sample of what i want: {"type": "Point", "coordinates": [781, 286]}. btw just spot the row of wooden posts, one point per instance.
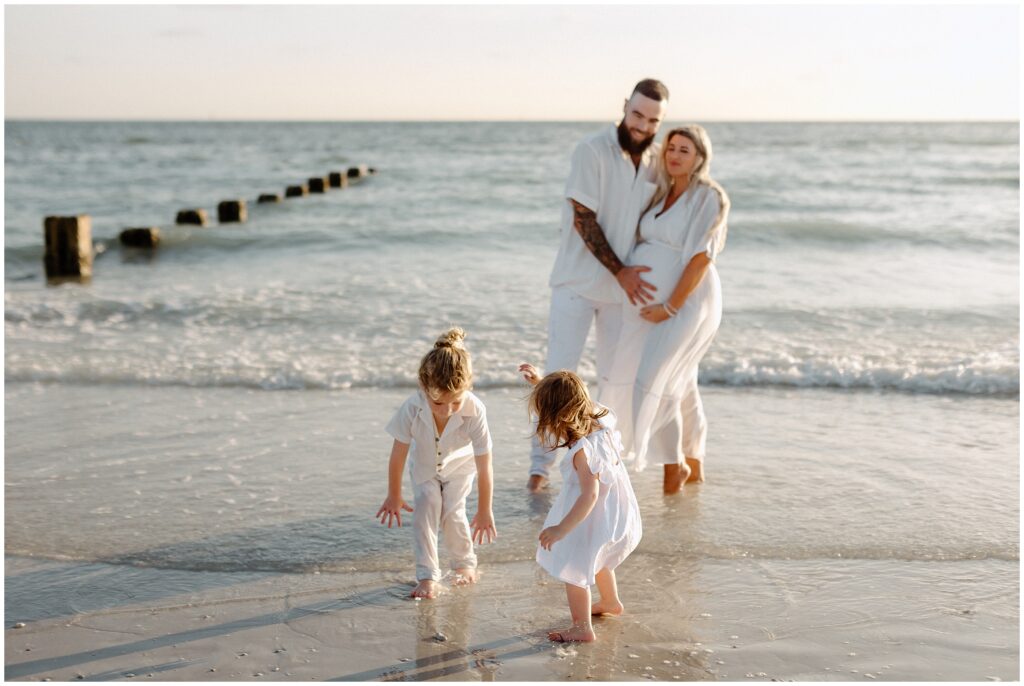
{"type": "Point", "coordinates": [69, 250]}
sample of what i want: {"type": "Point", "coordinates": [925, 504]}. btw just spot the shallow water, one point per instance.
{"type": "Point", "coordinates": [830, 541]}
{"type": "Point", "coordinates": [236, 480]}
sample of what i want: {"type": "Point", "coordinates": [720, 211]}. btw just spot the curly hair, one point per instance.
{"type": "Point", "coordinates": [565, 413]}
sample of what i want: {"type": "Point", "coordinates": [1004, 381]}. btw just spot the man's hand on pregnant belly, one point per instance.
{"type": "Point", "coordinates": [637, 290]}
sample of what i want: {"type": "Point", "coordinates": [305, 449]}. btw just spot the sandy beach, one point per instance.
{"type": "Point", "coordinates": [703, 602]}
{"type": "Point", "coordinates": [858, 626]}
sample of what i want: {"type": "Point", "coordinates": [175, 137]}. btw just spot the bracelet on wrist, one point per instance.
{"type": "Point", "coordinates": [669, 310]}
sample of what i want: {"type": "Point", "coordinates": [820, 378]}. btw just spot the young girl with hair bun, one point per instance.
{"type": "Point", "coordinates": [444, 427]}
{"type": "Point", "coordinates": [594, 523]}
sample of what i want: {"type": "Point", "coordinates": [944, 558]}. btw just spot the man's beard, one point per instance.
{"type": "Point", "coordinates": [628, 144]}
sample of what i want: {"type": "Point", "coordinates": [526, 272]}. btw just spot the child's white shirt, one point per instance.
{"type": "Point", "coordinates": [465, 436]}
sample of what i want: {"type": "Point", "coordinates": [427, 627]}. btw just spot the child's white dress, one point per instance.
{"type": "Point", "coordinates": [612, 529]}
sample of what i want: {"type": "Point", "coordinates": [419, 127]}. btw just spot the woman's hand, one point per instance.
{"type": "Point", "coordinates": [483, 527]}
{"type": "Point", "coordinates": [530, 373]}
{"type": "Point", "coordinates": [550, 536]}
{"type": "Point", "coordinates": [655, 314]}
{"type": "Point", "coordinates": [391, 510]}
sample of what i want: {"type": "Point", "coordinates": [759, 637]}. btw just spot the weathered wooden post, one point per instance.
{"type": "Point", "coordinates": [268, 197]}
{"type": "Point", "coordinates": [191, 217]}
{"type": "Point", "coordinates": [357, 172]}
{"type": "Point", "coordinates": [338, 180]}
{"type": "Point", "coordinates": [142, 237]}
{"type": "Point", "coordinates": [317, 184]}
{"type": "Point", "coordinates": [296, 191]}
{"type": "Point", "coordinates": [231, 211]}
{"type": "Point", "coordinates": [68, 247]}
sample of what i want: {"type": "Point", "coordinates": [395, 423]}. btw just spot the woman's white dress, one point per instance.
{"type": "Point", "coordinates": [652, 384]}
{"type": "Point", "coordinates": [612, 530]}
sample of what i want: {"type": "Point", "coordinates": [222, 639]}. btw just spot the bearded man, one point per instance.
{"type": "Point", "coordinates": [610, 181]}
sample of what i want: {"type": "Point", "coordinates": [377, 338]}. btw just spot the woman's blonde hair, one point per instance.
{"type": "Point", "coordinates": [447, 367]}
{"type": "Point", "coordinates": [565, 413]}
{"type": "Point", "coordinates": [700, 176]}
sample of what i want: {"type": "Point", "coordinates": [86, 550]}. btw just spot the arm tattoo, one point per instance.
{"type": "Point", "coordinates": [585, 222]}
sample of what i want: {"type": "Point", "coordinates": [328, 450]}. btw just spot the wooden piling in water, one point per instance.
{"type": "Point", "coordinates": [296, 191]}
{"type": "Point", "coordinates": [231, 211]}
{"type": "Point", "coordinates": [68, 247]}
{"type": "Point", "coordinates": [317, 184]}
{"type": "Point", "coordinates": [358, 171]}
{"type": "Point", "coordinates": [268, 197]}
{"type": "Point", "coordinates": [338, 179]}
{"type": "Point", "coordinates": [141, 237]}
{"type": "Point", "coordinates": [197, 217]}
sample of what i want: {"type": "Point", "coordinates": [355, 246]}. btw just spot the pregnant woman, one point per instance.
{"type": "Point", "coordinates": [652, 385]}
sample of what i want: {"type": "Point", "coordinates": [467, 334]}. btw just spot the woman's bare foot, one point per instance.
{"type": "Point", "coordinates": [675, 476]}
{"type": "Point", "coordinates": [536, 484]}
{"type": "Point", "coordinates": [427, 588]}
{"type": "Point", "coordinates": [580, 634]}
{"type": "Point", "coordinates": [465, 577]}
{"type": "Point", "coordinates": [696, 471]}
{"type": "Point", "coordinates": [605, 608]}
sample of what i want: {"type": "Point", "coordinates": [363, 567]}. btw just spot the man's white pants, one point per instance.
{"type": "Point", "coordinates": [440, 506]}
{"type": "Point", "coordinates": [568, 326]}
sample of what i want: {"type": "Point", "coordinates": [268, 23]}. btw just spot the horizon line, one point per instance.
{"type": "Point", "coordinates": [493, 121]}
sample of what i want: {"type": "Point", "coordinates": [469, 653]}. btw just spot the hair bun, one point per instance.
{"type": "Point", "coordinates": [452, 338]}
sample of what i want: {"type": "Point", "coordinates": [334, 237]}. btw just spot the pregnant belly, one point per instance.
{"type": "Point", "coordinates": [666, 267]}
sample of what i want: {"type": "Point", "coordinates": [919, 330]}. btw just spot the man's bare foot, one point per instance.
{"type": "Point", "coordinates": [603, 608]}
{"type": "Point", "coordinates": [427, 588]}
{"type": "Point", "coordinates": [536, 484]}
{"type": "Point", "coordinates": [675, 476]}
{"type": "Point", "coordinates": [696, 471]}
{"type": "Point", "coordinates": [465, 577]}
{"type": "Point", "coordinates": [580, 634]}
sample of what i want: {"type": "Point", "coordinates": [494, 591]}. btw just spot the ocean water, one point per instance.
{"type": "Point", "coordinates": [860, 256]}
{"type": "Point", "coordinates": [219, 405]}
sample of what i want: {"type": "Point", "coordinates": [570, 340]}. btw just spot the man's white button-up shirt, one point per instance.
{"type": "Point", "coordinates": [603, 179]}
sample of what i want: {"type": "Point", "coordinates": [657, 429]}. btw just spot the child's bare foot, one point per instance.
{"type": "Point", "coordinates": [605, 608]}
{"type": "Point", "coordinates": [536, 484]}
{"type": "Point", "coordinates": [427, 588]}
{"type": "Point", "coordinates": [581, 634]}
{"type": "Point", "coordinates": [675, 476]}
{"type": "Point", "coordinates": [465, 577]}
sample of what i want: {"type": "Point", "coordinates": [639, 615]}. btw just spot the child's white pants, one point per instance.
{"type": "Point", "coordinates": [568, 326]}
{"type": "Point", "coordinates": [440, 506]}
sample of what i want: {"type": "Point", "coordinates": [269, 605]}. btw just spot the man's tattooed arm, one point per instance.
{"type": "Point", "coordinates": [585, 222]}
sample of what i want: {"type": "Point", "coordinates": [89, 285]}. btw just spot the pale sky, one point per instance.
{"type": "Point", "coordinates": [524, 62]}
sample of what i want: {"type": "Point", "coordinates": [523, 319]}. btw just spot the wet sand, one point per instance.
{"type": "Point", "coordinates": [760, 623]}
{"type": "Point", "coordinates": [758, 575]}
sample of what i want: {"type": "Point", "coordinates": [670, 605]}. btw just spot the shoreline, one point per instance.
{"type": "Point", "coordinates": [857, 625]}
{"type": "Point", "coordinates": [805, 556]}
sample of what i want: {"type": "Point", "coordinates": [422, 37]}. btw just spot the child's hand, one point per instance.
{"type": "Point", "coordinates": [550, 536]}
{"type": "Point", "coordinates": [530, 373]}
{"type": "Point", "coordinates": [483, 528]}
{"type": "Point", "coordinates": [391, 510]}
